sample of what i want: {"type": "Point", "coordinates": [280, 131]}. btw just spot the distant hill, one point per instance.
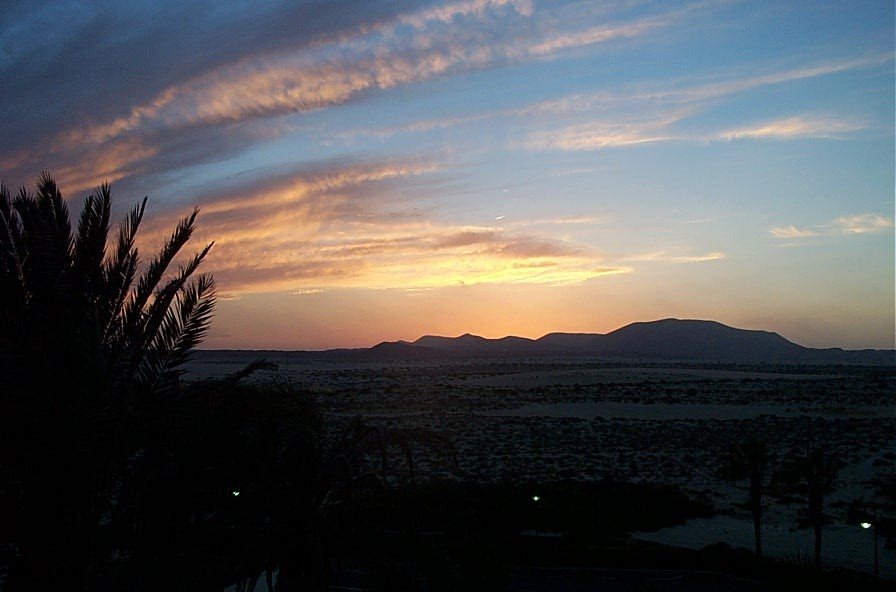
{"type": "Point", "coordinates": [473, 344]}
{"type": "Point", "coordinates": [675, 339]}
{"type": "Point", "coordinates": [693, 340]}
{"type": "Point", "coordinates": [667, 339]}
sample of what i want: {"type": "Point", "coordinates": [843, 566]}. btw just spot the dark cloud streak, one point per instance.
{"type": "Point", "coordinates": [116, 55]}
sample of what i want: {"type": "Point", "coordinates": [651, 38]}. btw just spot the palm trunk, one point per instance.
{"type": "Point", "coordinates": [816, 516]}
{"type": "Point", "coordinates": [757, 532]}
{"type": "Point", "coordinates": [818, 546]}
{"type": "Point", "coordinates": [756, 509]}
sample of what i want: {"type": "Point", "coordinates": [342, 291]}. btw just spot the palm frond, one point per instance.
{"type": "Point", "coordinates": [48, 241]}
{"type": "Point", "coordinates": [120, 270]}
{"type": "Point", "coordinates": [90, 244]}
{"type": "Point", "coordinates": [12, 277]}
{"type": "Point", "coordinates": [182, 329]}
{"type": "Point", "coordinates": [55, 214]}
{"type": "Point", "coordinates": [156, 270]}
{"type": "Point", "coordinates": [133, 334]}
{"type": "Point", "coordinates": [156, 313]}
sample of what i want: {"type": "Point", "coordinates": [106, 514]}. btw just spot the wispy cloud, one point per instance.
{"type": "Point", "coordinates": [641, 115]}
{"type": "Point", "coordinates": [596, 135]}
{"type": "Point", "coordinates": [170, 127]}
{"type": "Point", "coordinates": [688, 91]}
{"type": "Point", "coordinates": [451, 11]}
{"type": "Point", "coordinates": [331, 228]}
{"type": "Point", "coordinates": [377, 58]}
{"type": "Point", "coordinates": [613, 133]}
{"type": "Point", "coordinates": [666, 257]}
{"type": "Point", "coordinates": [793, 128]}
{"type": "Point", "coordinates": [792, 232]}
{"type": "Point", "coordinates": [863, 223]}
{"type": "Point", "coordinates": [599, 34]}
{"type": "Point", "coordinates": [844, 225]}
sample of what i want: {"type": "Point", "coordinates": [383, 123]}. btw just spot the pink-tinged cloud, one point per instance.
{"type": "Point", "coordinates": [793, 128]}
{"type": "Point", "coordinates": [377, 58]}
{"type": "Point", "coordinates": [596, 135]}
{"type": "Point", "coordinates": [863, 223]}
{"type": "Point", "coordinates": [329, 229]}
{"type": "Point", "coordinates": [666, 257]}
{"type": "Point", "coordinates": [643, 116]}
{"type": "Point", "coordinates": [594, 35]}
{"type": "Point", "coordinates": [844, 225]}
{"type": "Point", "coordinates": [792, 232]}
{"type": "Point", "coordinates": [449, 12]}
{"type": "Point", "coordinates": [715, 90]}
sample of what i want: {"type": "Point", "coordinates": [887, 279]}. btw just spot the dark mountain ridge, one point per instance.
{"type": "Point", "coordinates": [666, 339]}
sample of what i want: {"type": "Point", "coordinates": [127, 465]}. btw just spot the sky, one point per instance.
{"type": "Point", "coordinates": [373, 171]}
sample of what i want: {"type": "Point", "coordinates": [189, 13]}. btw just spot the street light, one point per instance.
{"type": "Point", "coordinates": [873, 526]}
{"type": "Point", "coordinates": [535, 499]}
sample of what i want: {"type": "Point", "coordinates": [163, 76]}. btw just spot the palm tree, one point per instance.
{"type": "Point", "coordinates": [362, 439]}
{"type": "Point", "coordinates": [749, 460]}
{"type": "Point", "coordinates": [87, 343]}
{"type": "Point", "coordinates": [817, 471]}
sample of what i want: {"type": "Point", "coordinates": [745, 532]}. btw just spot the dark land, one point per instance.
{"type": "Point", "coordinates": [626, 453]}
{"type": "Point", "coordinates": [667, 339]}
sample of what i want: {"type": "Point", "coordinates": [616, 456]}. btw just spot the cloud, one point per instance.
{"type": "Point", "coordinates": [449, 12]}
{"type": "Point", "coordinates": [688, 99]}
{"type": "Point", "coordinates": [599, 34]}
{"type": "Point", "coordinates": [793, 128]}
{"type": "Point", "coordinates": [564, 220]}
{"type": "Point", "coordinates": [331, 228]}
{"type": "Point", "coordinates": [665, 257]}
{"type": "Point", "coordinates": [714, 90]}
{"type": "Point", "coordinates": [465, 238]}
{"type": "Point", "coordinates": [862, 223]}
{"type": "Point", "coordinates": [377, 57]}
{"type": "Point", "coordinates": [844, 225]}
{"type": "Point", "coordinates": [616, 131]}
{"type": "Point", "coordinates": [536, 248]}
{"type": "Point", "coordinates": [201, 109]}
{"type": "Point", "coordinates": [638, 115]}
{"type": "Point", "coordinates": [791, 232]}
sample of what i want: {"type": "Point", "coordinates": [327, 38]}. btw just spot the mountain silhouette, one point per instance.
{"type": "Point", "coordinates": [685, 339]}
{"type": "Point", "coordinates": [666, 339]}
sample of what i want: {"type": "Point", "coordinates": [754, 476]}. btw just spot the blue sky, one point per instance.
{"type": "Point", "coordinates": [379, 170]}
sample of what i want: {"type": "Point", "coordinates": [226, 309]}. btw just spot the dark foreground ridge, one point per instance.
{"type": "Point", "coordinates": [667, 339]}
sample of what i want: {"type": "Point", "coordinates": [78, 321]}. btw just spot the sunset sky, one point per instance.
{"type": "Point", "coordinates": [376, 171]}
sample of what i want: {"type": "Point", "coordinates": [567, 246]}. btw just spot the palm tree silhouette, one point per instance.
{"type": "Point", "coordinates": [749, 460]}
{"type": "Point", "coordinates": [817, 471]}
{"type": "Point", "coordinates": [86, 343]}
{"type": "Point", "coordinates": [363, 439]}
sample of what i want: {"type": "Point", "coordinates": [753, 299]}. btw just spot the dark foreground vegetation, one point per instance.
{"type": "Point", "coordinates": [114, 475]}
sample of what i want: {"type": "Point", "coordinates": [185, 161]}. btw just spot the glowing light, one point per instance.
{"type": "Point", "coordinates": [235, 493]}
{"type": "Point", "coordinates": [535, 498]}
{"type": "Point", "coordinates": [865, 525]}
